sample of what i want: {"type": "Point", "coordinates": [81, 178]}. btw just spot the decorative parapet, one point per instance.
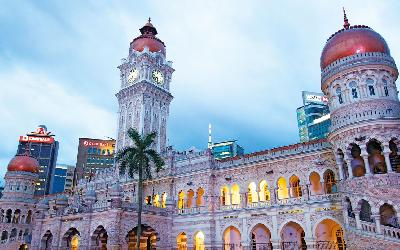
{"type": "Point", "coordinates": [360, 59]}
{"type": "Point", "coordinates": [348, 118]}
{"type": "Point", "coordinates": [274, 153]}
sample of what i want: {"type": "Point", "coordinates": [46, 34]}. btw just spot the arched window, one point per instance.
{"type": "Point", "coordinates": [235, 194]}
{"type": "Point", "coordinates": [199, 241]}
{"type": "Point", "coordinates": [295, 189]}
{"type": "Point", "coordinates": [350, 212]}
{"type": "Point", "coordinates": [264, 191]}
{"type": "Point", "coordinates": [17, 214]}
{"type": "Point", "coordinates": [388, 216]}
{"type": "Point", "coordinates": [370, 84]}
{"type": "Point", "coordinates": [190, 195]}
{"type": "Point", "coordinates": [394, 156]}
{"type": "Point", "coordinates": [385, 86]}
{"type": "Point", "coordinates": [181, 241]}
{"type": "Point", "coordinates": [199, 197]}
{"type": "Point", "coordinates": [365, 211]}
{"type": "Point", "coordinates": [315, 184]}
{"type": "Point", "coordinates": [252, 195]}
{"type": "Point", "coordinates": [181, 200]}
{"type": "Point", "coordinates": [283, 192]}
{"type": "Point", "coordinates": [357, 163]}
{"type": "Point", "coordinates": [225, 197]}
{"type": "Point", "coordinates": [164, 200]}
{"type": "Point", "coordinates": [353, 87]}
{"type": "Point", "coordinates": [375, 158]}
{"type": "Point", "coordinates": [4, 235]}
{"type": "Point", "coordinates": [156, 200]}
{"type": "Point", "coordinates": [339, 95]}
{"type": "Point", "coordinates": [330, 182]}
{"type": "Point", "coordinates": [8, 216]}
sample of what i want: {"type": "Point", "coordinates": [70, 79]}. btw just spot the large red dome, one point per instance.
{"type": "Point", "coordinates": [352, 40]}
{"type": "Point", "coordinates": [23, 163]}
{"type": "Point", "coordinates": [148, 39]}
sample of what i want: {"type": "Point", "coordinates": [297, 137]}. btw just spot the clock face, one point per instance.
{"type": "Point", "coordinates": [133, 74]}
{"type": "Point", "coordinates": [158, 77]}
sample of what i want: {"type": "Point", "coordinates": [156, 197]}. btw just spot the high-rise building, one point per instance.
{"type": "Point", "coordinates": [313, 117]}
{"type": "Point", "coordinates": [70, 178]}
{"type": "Point", "coordinates": [226, 149]}
{"type": "Point", "coordinates": [62, 178]}
{"type": "Point", "coordinates": [94, 154]}
{"type": "Point", "coordinates": [41, 145]}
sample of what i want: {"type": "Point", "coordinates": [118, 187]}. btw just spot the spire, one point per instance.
{"type": "Point", "coordinates": [149, 21]}
{"type": "Point", "coordinates": [148, 28]}
{"type": "Point", "coordinates": [346, 24]}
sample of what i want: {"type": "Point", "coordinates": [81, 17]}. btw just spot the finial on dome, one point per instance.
{"type": "Point", "coordinates": [346, 24]}
{"type": "Point", "coordinates": [149, 20]}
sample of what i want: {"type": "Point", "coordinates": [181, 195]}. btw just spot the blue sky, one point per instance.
{"type": "Point", "coordinates": [240, 65]}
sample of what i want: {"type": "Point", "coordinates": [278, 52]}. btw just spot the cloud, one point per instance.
{"type": "Point", "coordinates": [31, 99]}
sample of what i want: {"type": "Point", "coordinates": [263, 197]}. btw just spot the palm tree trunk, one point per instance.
{"type": "Point", "coordinates": [140, 204]}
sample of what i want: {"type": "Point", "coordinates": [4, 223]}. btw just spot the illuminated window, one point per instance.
{"type": "Point", "coordinates": [283, 192]}
{"type": "Point", "coordinates": [235, 194]}
{"type": "Point", "coordinates": [225, 197]}
{"type": "Point", "coordinates": [164, 200]}
{"type": "Point", "coordinates": [252, 195]}
{"type": "Point", "coordinates": [181, 200]}
{"type": "Point", "coordinates": [156, 200]}
{"type": "Point", "coordinates": [199, 241]}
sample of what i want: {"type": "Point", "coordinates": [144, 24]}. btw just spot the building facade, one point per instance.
{"type": "Point", "coordinates": [226, 149]}
{"type": "Point", "coordinates": [313, 118]}
{"type": "Point", "coordinates": [336, 193]}
{"type": "Point", "coordinates": [63, 178]}
{"type": "Point", "coordinates": [93, 155]}
{"type": "Point", "coordinates": [44, 148]}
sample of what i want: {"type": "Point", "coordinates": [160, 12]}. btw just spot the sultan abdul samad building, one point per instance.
{"type": "Point", "coordinates": [339, 193]}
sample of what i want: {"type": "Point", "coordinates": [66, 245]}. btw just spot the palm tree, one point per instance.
{"type": "Point", "coordinates": [136, 160]}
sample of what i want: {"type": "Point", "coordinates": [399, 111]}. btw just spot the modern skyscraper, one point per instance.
{"type": "Point", "coordinates": [94, 154]}
{"type": "Point", "coordinates": [226, 149]}
{"type": "Point", "coordinates": [42, 146]}
{"type": "Point", "coordinates": [313, 117]}
{"type": "Point", "coordinates": [62, 178]}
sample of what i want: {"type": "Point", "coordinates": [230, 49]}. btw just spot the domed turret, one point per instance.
{"type": "Point", "coordinates": [23, 163]}
{"type": "Point", "coordinates": [148, 39]}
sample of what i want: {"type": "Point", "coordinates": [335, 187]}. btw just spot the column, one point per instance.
{"type": "Point", "coordinates": [347, 158]}
{"type": "Point", "coordinates": [386, 152]}
{"type": "Point", "coordinates": [339, 162]}
{"type": "Point", "coordinates": [357, 215]}
{"type": "Point", "coordinates": [245, 241]}
{"type": "Point", "coordinates": [377, 218]}
{"type": "Point", "coordinates": [364, 155]}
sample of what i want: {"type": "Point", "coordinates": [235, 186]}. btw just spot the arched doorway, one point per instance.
{"type": "Point", "coordinates": [292, 237]}
{"type": "Point", "coordinates": [232, 239]}
{"type": "Point", "coordinates": [148, 238]}
{"type": "Point", "coordinates": [181, 241]}
{"type": "Point", "coordinates": [199, 241]}
{"type": "Point", "coordinates": [46, 241]}
{"type": "Point", "coordinates": [71, 239]}
{"type": "Point", "coordinates": [329, 235]}
{"type": "Point", "coordinates": [99, 239]}
{"type": "Point", "coordinates": [260, 238]}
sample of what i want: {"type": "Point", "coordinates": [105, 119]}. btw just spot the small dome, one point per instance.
{"type": "Point", "coordinates": [148, 39]}
{"type": "Point", "coordinates": [351, 41]}
{"type": "Point", "coordinates": [23, 163]}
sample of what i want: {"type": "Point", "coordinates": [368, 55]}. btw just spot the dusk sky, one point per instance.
{"type": "Point", "coordinates": [240, 65]}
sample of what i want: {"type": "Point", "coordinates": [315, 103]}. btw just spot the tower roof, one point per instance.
{"type": "Point", "coordinates": [23, 163]}
{"type": "Point", "coordinates": [148, 39]}
{"type": "Point", "coordinates": [352, 40]}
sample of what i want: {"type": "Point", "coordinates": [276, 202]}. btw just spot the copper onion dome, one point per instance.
{"type": "Point", "coordinates": [148, 39]}
{"type": "Point", "coordinates": [23, 163]}
{"type": "Point", "coordinates": [352, 40]}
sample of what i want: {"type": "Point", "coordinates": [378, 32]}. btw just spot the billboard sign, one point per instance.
{"type": "Point", "coordinates": [310, 97]}
{"type": "Point", "coordinates": [38, 139]}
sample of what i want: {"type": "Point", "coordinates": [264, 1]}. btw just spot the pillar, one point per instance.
{"type": "Point", "coordinates": [364, 155]}
{"type": "Point", "coordinates": [350, 169]}
{"type": "Point", "coordinates": [377, 218]}
{"type": "Point", "coordinates": [339, 162]}
{"type": "Point", "coordinates": [386, 152]}
{"type": "Point", "coordinates": [357, 215]}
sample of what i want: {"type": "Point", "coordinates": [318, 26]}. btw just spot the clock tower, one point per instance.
{"type": "Point", "coordinates": [144, 96]}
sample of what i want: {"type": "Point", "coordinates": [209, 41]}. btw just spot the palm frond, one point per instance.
{"type": "Point", "coordinates": [156, 158]}
{"type": "Point", "coordinates": [135, 136]}
{"type": "Point", "coordinates": [149, 139]}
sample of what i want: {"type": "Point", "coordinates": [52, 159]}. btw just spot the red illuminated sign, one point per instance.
{"type": "Point", "coordinates": [97, 144]}
{"type": "Point", "coordinates": [40, 139]}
